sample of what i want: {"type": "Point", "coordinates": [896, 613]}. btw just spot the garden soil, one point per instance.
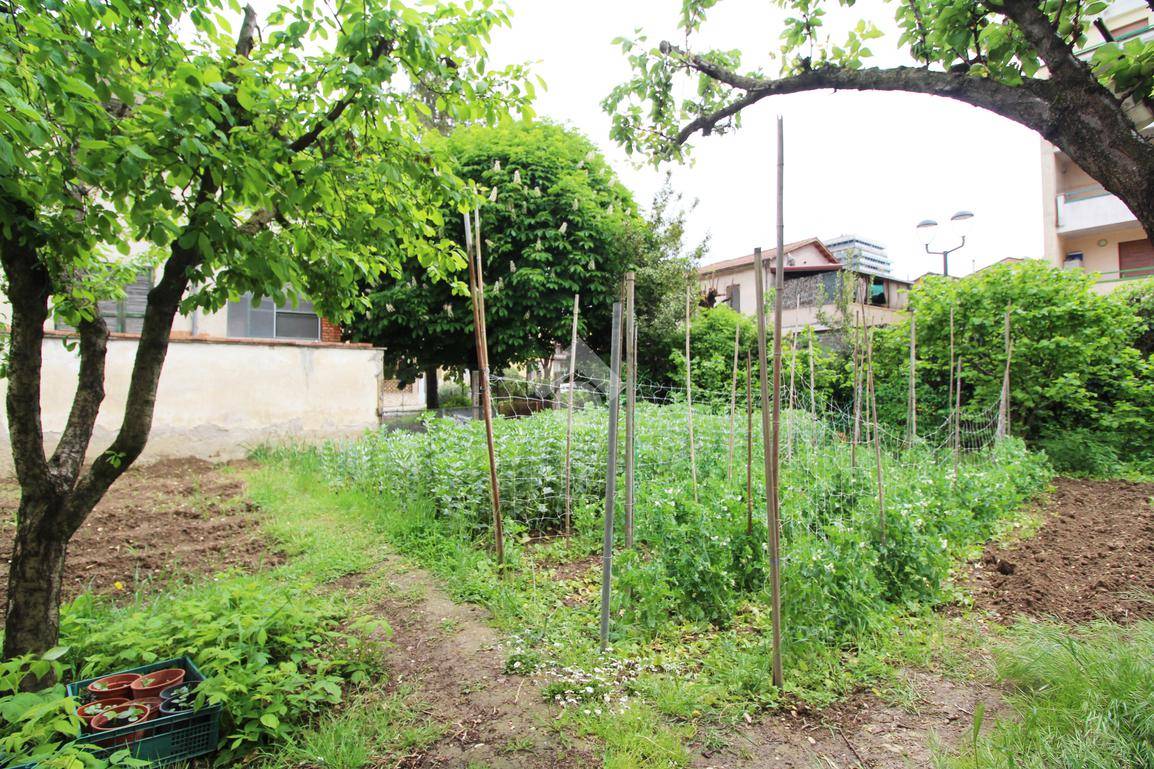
{"type": "Point", "coordinates": [167, 519]}
{"type": "Point", "coordinates": [1090, 559]}
{"type": "Point", "coordinates": [455, 661]}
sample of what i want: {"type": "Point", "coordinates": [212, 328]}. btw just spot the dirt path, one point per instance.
{"type": "Point", "coordinates": [176, 516]}
{"type": "Point", "coordinates": [455, 662]}
{"type": "Point", "coordinates": [862, 732]}
{"type": "Point", "coordinates": [1090, 559]}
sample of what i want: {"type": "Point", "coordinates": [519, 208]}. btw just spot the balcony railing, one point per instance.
{"type": "Point", "coordinates": [1090, 208]}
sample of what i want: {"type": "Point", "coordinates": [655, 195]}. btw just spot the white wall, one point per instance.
{"type": "Point", "coordinates": [219, 399]}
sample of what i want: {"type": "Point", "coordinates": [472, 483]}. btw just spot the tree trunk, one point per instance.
{"type": "Point", "coordinates": [432, 395]}
{"type": "Point", "coordinates": [32, 622]}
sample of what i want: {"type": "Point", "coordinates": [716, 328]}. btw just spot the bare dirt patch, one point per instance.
{"type": "Point", "coordinates": [1090, 559]}
{"type": "Point", "coordinates": [173, 517]}
{"type": "Point", "coordinates": [456, 662]}
{"type": "Point", "coordinates": [862, 731]}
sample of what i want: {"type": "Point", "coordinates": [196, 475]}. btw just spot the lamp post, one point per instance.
{"type": "Point", "coordinates": [927, 228]}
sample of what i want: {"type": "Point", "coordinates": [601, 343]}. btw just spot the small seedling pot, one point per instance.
{"type": "Point", "coordinates": [96, 707]}
{"type": "Point", "coordinates": [117, 717]}
{"type": "Point", "coordinates": [177, 689]}
{"type": "Point", "coordinates": [110, 687]}
{"type": "Point", "coordinates": [179, 704]}
{"type": "Point", "coordinates": [152, 684]}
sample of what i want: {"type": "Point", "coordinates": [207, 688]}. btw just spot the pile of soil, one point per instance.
{"type": "Point", "coordinates": [173, 517]}
{"type": "Point", "coordinates": [1091, 558]}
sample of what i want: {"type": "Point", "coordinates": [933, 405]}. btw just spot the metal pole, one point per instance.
{"type": "Point", "coordinates": [733, 398]}
{"type": "Point", "coordinates": [569, 420]}
{"type": "Point", "coordinates": [689, 389]}
{"type": "Point", "coordinates": [630, 400]}
{"type": "Point", "coordinates": [478, 293]}
{"type": "Point", "coordinates": [610, 473]}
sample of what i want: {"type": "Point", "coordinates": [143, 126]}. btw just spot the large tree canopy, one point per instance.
{"type": "Point", "coordinates": [1014, 57]}
{"type": "Point", "coordinates": [555, 222]}
{"type": "Point", "coordinates": [275, 156]}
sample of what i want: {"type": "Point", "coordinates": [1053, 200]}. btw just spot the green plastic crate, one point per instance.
{"type": "Point", "coordinates": [167, 739]}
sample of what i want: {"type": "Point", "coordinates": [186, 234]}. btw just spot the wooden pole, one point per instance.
{"type": "Point", "coordinates": [748, 442]}
{"type": "Point", "coordinates": [877, 439]}
{"type": "Point", "coordinates": [733, 399]}
{"type": "Point", "coordinates": [912, 416]}
{"type": "Point", "coordinates": [478, 291]}
{"type": "Point", "coordinates": [630, 400]}
{"type": "Point", "coordinates": [569, 419]}
{"type": "Point", "coordinates": [610, 473]}
{"type": "Point", "coordinates": [689, 389]}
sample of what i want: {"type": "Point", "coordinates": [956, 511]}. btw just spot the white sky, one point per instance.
{"type": "Point", "coordinates": [871, 164]}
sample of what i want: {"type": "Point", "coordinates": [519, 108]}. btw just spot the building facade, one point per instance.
{"type": "Point", "coordinates": [861, 255]}
{"type": "Point", "coordinates": [1083, 225]}
{"type": "Point", "coordinates": [815, 283]}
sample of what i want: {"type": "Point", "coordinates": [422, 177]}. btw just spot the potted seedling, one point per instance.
{"type": "Point", "coordinates": [152, 684]}
{"type": "Point", "coordinates": [120, 716]}
{"type": "Point", "coordinates": [96, 707]}
{"type": "Point", "coordinates": [177, 699]}
{"type": "Point", "coordinates": [115, 686]}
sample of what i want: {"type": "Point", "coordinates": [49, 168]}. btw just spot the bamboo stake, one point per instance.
{"type": "Point", "coordinates": [857, 405]}
{"type": "Point", "coordinates": [876, 435]}
{"type": "Point", "coordinates": [733, 398]}
{"type": "Point", "coordinates": [812, 376]}
{"type": "Point", "coordinates": [958, 419]}
{"type": "Point", "coordinates": [912, 417]}
{"type": "Point", "coordinates": [792, 368]}
{"type": "Point", "coordinates": [1004, 405]}
{"type": "Point", "coordinates": [569, 419]}
{"type": "Point", "coordinates": [748, 442]}
{"type": "Point", "coordinates": [610, 473]}
{"type": "Point", "coordinates": [478, 291]}
{"type": "Point", "coordinates": [689, 389]}
{"type": "Point", "coordinates": [953, 363]}
{"type": "Point", "coordinates": [630, 400]}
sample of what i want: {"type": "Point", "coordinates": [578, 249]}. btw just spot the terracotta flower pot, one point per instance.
{"type": "Point", "coordinates": [119, 716]}
{"type": "Point", "coordinates": [151, 684]}
{"type": "Point", "coordinates": [113, 686]}
{"type": "Point", "coordinates": [96, 707]}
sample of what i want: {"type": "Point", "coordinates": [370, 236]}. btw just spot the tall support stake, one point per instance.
{"type": "Point", "coordinates": [857, 399]}
{"type": "Point", "coordinates": [689, 388]}
{"type": "Point", "coordinates": [812, 377]}
{"type": "Point", "coordinates": [569, 419]}
{"type": "Point", "coordinates": [953, 366]}
{"type": "Point", "coordinates": [630, 400]}
{"type": "Point", "coordinates": [733, 398]}
{"type": "Point", "coordinates": [748, 442]}
{"type": "Point", "coordinates": [912, 417]}
{"type": "Point", "coordinates": [775, 497]}
{"type": "Point", "coordinates": [610, 473]}
{"type": "Point", "coordinates": [958, 418]}
{"type": "Point", "coordinates": [792, 368]}
{"type": "Point", "coordinates": [877, 438]}
{"type": "Point", "coordinates": [477, 281]}
{"type": "Point", "coordinates": [1004, 404]}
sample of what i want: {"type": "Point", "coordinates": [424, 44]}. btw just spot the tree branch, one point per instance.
{"type": "Point", "coordinates": [73, 445]}
{"type": "Point", "coordinates": [1029, 104]}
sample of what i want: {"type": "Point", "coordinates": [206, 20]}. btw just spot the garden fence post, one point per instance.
{"type": "Point", "coordinates": [912, 417]}
{"type": "Point", "coordinates": [957, 418]}
{"type": "Point", "coordinates": [689, 387]}
{"type": "Point", "coordinates": [630, 400]}
{"type": "Point", "coordinates": [733, 399]}
{"type": "Point", "coordinates": [1004, 404]}
{"type": "Point", "coordinates": [569, 419]}
{"type": "Point", "coordinates": [953, 367]}
{"type": "Point", "coordinates": [748, 442]}
{"type": "Point", "coordinates": [775, 497]}
{"type": "Point", "coordinates": [610, 473]}
{"type": "Point", "coordinates": [877, 438]}
{"type": "Point", "coordinates": [477, 279]}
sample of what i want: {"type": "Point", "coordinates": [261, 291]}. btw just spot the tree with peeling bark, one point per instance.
{"type": "Point", "coordinates": [283, 159]}
{"type": "Point", "coordinates": [1017, 58]}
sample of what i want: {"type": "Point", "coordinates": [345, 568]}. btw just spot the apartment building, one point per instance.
{"type": "Point", "coordinates": [814, 276]}
{"type": "Point", "coordinates": [1083, 225]}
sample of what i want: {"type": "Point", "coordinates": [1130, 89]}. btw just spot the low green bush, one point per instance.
{"type": "Point", "coordinates": [273, 655]}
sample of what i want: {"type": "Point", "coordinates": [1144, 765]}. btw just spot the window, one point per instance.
{"type": "Point", "coordinates": [733, 294]}
{"type": "Point", "coordinates": [265, 320]}
{"type": "Point", "coordinates": [1136, 258]}
{"type": "Point", "coordinates": [125, 315]}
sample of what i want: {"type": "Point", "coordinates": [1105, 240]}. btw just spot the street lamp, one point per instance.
{"type": "Point", "coordinates": [927, 229]}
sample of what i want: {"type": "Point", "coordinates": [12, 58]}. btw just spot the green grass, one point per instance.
{"type": "Point", "coordinates": [1079, 698]}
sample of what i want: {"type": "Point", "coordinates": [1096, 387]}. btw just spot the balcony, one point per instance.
{"type": "Point", "coordinates": [1087, 209]}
